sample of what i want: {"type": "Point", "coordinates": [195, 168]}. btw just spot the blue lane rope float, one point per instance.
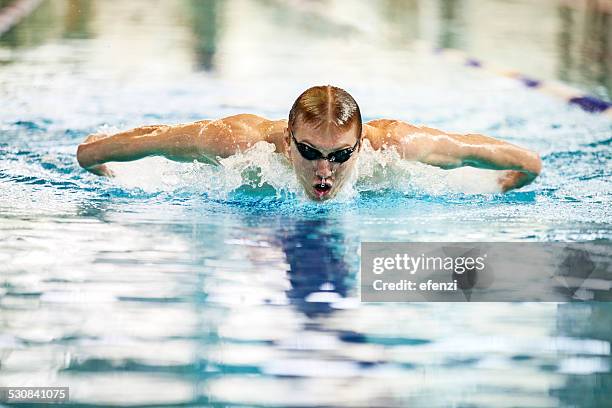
{"type": "Point", "coordinates": [570, 94]}
{"type": "Point", "coordinates": [12, 14]}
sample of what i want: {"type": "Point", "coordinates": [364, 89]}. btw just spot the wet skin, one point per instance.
{"type": "Point", "coordinates": [209, 140]}
{"type": "Point", "coordinates": [321, 179]}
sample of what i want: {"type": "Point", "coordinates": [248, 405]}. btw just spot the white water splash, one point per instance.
{"type": "Point", "coordinates": [385, 169]}
{"type": "Point", "coordinates": [259, 166]}
{"type": "Point", "coordinates": [254, 168]}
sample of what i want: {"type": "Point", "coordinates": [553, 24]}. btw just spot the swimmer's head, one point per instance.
{"type": "Point", "coordinates": [323, 139]}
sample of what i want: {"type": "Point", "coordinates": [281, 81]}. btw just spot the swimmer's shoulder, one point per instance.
{"type": "Point", "coordinates": [242, 131]}
{"type": "Point", "coordinates": [247, 125]}
{"type": "Point", "coordinates": [379, 132]}
{"type": "Point", "coordinates": [387, 132]}
{"type": "Point", "coordinates": [273, 131]}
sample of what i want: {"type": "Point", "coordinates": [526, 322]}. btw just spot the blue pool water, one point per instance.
{"type": "Point", "coordinates": [192, 285]}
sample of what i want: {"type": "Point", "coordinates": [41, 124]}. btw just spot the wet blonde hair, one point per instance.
{"type": "Point", "coordinates": [326, 104]}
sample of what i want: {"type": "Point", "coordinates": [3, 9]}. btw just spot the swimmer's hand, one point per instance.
{"type": "Point", "coordinates": [100, 169]}
{"type": "Point", "coordinates": [511, 179]}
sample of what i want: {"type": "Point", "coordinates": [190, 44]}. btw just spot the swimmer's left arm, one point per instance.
{"type": "Point", "coordinates": [449, 151]}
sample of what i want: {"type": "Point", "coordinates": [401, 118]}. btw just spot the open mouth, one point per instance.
{"type": "Point", "coordinates": [322, 189]}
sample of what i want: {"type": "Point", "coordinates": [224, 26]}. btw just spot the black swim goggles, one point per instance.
{"type": "Point", "coordinates": [310, 153]}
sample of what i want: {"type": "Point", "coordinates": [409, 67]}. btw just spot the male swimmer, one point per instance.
{"type": "Point", "coordinates": [321, 140]}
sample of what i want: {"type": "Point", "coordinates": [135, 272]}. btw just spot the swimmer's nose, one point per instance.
{"type": "Point", "coordinates": [323, 168]}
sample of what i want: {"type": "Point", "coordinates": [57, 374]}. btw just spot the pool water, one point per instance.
{"type": "Point", "coordinates": [193, 285]}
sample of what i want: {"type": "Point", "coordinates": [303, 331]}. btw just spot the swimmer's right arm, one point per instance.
{"type": "Point", "coordinates": [177, 142]}
{"type": "Point", "coordinates": [204, 141]}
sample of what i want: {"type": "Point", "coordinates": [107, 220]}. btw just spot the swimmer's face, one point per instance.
{"type": "Point", "coordinates": [321, 178]}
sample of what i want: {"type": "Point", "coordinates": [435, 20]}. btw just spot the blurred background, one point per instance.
{"type": "Point", "coordinates": [566, 40]}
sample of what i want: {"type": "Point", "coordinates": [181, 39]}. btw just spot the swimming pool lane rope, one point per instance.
{"type": "Point", "coordinates": [571, 95]}
{"type": "Point", "coordinates": [12, 14]}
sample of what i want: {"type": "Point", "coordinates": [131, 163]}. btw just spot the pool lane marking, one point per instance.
{"type": "Point", "coordinates": [12, 14]}
{"type": "Point", "coordinates": [571, 95]}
